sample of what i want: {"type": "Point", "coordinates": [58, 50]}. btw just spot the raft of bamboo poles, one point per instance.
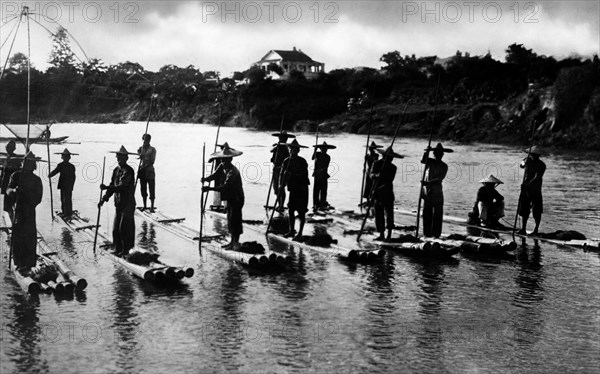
{"type": "Point", "coordinates": [155, 271]}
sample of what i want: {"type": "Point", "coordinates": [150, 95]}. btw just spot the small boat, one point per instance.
{"type": "Point", "coordinates": [56, 140]}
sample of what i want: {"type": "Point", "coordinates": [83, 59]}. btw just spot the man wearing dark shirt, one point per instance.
{"type": "Point", "coordinates": [11, 164]}
{"type": "Point", "coordinates": [433, 194]}
{"type": "Point", "coordinates": [294, 176]}
{"type": "Point", "coordinates": [280, 153]}
{"type": "Point", "coordinates": [383, 173]}
{"type": "Point", "coordinates": [231, 191]}
{"type": "Point", "coordinates": [322, 160]}
{"type": "Point", "coordinates": [531, 190]}
{"type": "Point", "coordinates": [146, 173]}
{"type": "Point", "coordinates": [489, 206]}
{"type": "Point", "coordinates": [66, 181]}
{"type": "Point", "coordinates": [26, 190]}
{"type": "Point", "coordinates": [370, 159]}
{"type": "Point", "coordinates": [122, 184]}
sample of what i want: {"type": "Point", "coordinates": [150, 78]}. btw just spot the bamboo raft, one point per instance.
{"type": "Point", "coordinates": [65, 282]}
{"type": "Point", "coordinates": [263, 262]}
{"type": "Point", "coordinates": [346, 254]}
{"type": "Point", "coordinates": [588, 244]}
{"type": "Point", "coordinates": [350, 218]}
{"type": "Point", "coordinates": [155, 271]}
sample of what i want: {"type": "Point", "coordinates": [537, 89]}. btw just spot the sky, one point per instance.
{"type": "Point", "coordinates": [229, 36]}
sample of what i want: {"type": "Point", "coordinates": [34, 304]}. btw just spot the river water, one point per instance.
{"type": "Point", "coordinates": [535, 313]}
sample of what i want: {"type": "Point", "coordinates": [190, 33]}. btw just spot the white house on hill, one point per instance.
{"type": "Point", "coordinates": [290, 61]}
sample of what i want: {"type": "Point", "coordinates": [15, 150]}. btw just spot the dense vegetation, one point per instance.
{"type": "Point", "coordinates": [479, 98]}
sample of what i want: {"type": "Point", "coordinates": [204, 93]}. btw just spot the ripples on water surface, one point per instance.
{"type": "Point", "coordinates": [535, 312]}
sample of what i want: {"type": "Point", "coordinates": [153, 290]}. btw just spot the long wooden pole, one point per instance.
{"type": "Point", "coordinates": [275, 158]}
{"type": "Point", "coordinates": [425, 166]}
{"type": "Point", "coordinates": [364, 179]}
{"type": "Point", "coordinates": [49, 179]}
{"type": "Point", "coordinates": [145, 133]}
{"type": "Point", "coordinates": [524, 178]}
{"type": "Point", "coordinates": [26, 14]}
{"type": "Point", "coordinates": [376, 181]}
{"type": "Point", "coordinates": [212, 167]}
{"type": "Point", "coordinates": [99, 208]}
{"type": "Point", "coordinates": [201, 198]}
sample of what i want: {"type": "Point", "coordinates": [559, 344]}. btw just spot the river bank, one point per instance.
{"type": "Point", "coordinates": [508, 123]}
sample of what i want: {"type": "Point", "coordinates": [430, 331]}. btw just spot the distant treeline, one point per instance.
{"type": "Point", "coordinates": [91, 90]}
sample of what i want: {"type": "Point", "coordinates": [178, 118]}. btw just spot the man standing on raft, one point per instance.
{"type": "Point", "coordinates": [531, 190]}
{"type": "Point", "coordinates": [231, 191]}
{"type": "Point", "coordinates": [294, 176]}
{"type": "Point", "coordinates": [433, 194]}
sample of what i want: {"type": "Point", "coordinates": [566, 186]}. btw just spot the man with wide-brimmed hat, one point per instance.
{"type": "Point", "coordinates": [280, 153]}
{"type": "Point", "coordinates": [122, 186]}
{"type": "Point", "coordinates": [218, 204]}
{"type": "Point", "coordinates": [11, 164]}
{"type": "Point", "coordinates": [294, 176]}
{"type": "Point", "coordinates": [66, 181]}
{"type": "Point", "coordinates": [531, 189]}
{"type": "Point", "coordinates": [370, 159]}
{"type": "Point", "coordinates": [26, 190]}
{"type": "Point", "coordinates": [489, 206]}
{"type": "Point", "coordinates": [231, 191]}
{"type": "Point", "coordinates": [322, 160]}
{"type": "Point", "coordinates": [146, 172]}
{"type": "Point", "coordinates": [432, 191]}
{"type": "Point", "coordinates": [383, 173]}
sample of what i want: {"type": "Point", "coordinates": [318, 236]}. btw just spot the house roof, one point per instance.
{"type": "Point", "coordinates": [295, 55]}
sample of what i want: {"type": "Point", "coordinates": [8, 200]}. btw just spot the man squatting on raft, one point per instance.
{"type": "Point", "coordinates": [231, 191]}
{"type": "Point", "coordinates": [489, 206]}
{"type": "Point", "coordinates": [66, 181]}
{"type": "Point", "coordinates": [147, 155]}
{"type": "Point", "coordinates": [25, 189]}
{"type": "Point", "coordinates": [122, 187]}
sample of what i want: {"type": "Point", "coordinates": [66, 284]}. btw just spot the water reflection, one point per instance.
{"type": "Point", "coordinates": [227, 333]}
{"type": "Point", "coordinates": [291, 330]}
{"type": "Point", "coordinates": [126, 322]}
{"type": "Point", "coordinates": [528, 321]}
{"type": "Point", "coordinates": [429, 334]}
{"type": "Point", "coordinates": [30, 335]}
{"type": "Point", "coordinates": [384, 328]}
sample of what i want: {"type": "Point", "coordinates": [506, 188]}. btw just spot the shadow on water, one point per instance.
{"type": "Point", "coordinates": [67, 243]}
{"type": "Point", "coordinates": [126, 322]}
{"type": "Point", "coordinates": [31, 336]}
{"type": "Point", "coordinates": [147, 237]}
